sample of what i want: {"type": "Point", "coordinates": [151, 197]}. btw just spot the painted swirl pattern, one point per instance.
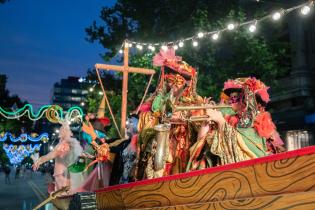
{"type": "Point", "coordinates": [286, 182]}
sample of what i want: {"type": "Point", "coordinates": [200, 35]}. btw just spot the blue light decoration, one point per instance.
{"type": "Point", "coordinates": [17, 153]}
{"type": "Point", "coordinates": [34, 137]}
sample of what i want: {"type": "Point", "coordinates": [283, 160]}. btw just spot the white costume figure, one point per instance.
{"type": "Point", "coordinates": [65, 153]}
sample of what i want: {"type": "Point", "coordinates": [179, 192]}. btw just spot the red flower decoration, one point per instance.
{"type": "Point", "coordinates": [264, 126]}
{"type": "Point", "coordinates": [145, 107]}
{"type": "Point", "coordinates": [232, 120]}
{"type": "Point", "coordinates": [104, 120]}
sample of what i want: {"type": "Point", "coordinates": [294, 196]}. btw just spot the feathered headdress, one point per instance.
{"type": "Point", "coordinates": [169, 59]}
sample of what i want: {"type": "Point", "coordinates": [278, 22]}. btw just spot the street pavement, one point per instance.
{"type": "Point", "coordinates": [23, 193]}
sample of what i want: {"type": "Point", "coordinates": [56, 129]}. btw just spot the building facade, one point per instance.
{"type": "Point", "coordinates": [70, 92]}
{"type": "Point", "coordinates": [293, 104]}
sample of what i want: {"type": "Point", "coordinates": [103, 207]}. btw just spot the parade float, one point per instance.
{"type": "Point", "coordinates": [178, 149]}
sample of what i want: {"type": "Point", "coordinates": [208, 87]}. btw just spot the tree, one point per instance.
{"type": "Point", "coordinates": [7, 103]}
{"type": "Point", "coordinates": [3, 1]}
{"type": "Point", "coordinates": [237, 53]}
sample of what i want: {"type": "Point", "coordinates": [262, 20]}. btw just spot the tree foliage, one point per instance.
{"type": "Point", "coordinates": [9, 103]}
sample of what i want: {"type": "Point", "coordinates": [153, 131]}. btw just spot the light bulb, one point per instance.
{"type": "Point", "coordinates": [276, 16]}
{"type": "Point", "coordinates": [195, 43]}
{"type": "Point", "coordinates": [91, 89]}
{"type": "Point", "coordinates": [100, 93]}
{"type": "Point", "coordinates": [120, 51]}
{"type": "Point", "coordinates": [130, 45]}
{"type": "Point", "coordinates": [215, 36]}
{"type": "Point", "coordinates": [152, 48]}
{"type": "Point", "coordinates": [149, 47]}
{"type": "Point", "coordinates": [252, 28]}
{"type": "Point", "coordinates": [175, 47]}
{"type": "Point", "coordinates": [164, 47]}
{"type": "Point", "coordinates": [200, 35]}
{"type": "Point", "coordinates": [231, 26]}
{"type": "Point", "coordinates": [181, 44]}
{"type": "Point", "coordinates": [82, 103]}
{"type": "Point", "coordinates": [305, 10]}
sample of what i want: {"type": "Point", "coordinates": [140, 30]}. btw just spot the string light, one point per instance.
{"type": "Point", "coordinates": [16, 154]}
{"type": "Point", "coordinates": [34, 137]}
{"type": "Point", "coordinates": [276, 16]}
{"type": "Point", "coordinates": [303, 8]}
{"type": "Point", "coordinates": [175, 47]}
{"type": "Point", "coordinates": [231, 27]}
{"type": "Point", "coordinates": [120, 51]}
{"type": "Point", "coordinates": [200, 35]}
{"type": "Point", "coordinates": [152, 48]}
{"type": "Point", "coordinates": [82, 103]}
{"type": "Point", "coordinates": [91, 89]}
{"type": "Point", "coordinates": [53, 113]}
{"type": "Point", "coordinates": [100, 93]}
{"type": "Point", "coordinates": [252, 28]}
{"type": "Point", "coordinates": [215, 36]}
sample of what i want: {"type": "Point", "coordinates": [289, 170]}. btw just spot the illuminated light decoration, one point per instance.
{"type": "Point", "coordinates": [139, 46]}
{"type": "Point", "coordinates": [91, 89]}
{"type": "Point", "coordinates": [100, 93]}
{"type": "Point", "coordinates": [231, 26]}
{"type": "Point", "coordinates": [34, 137]}
{"type": "Point", "coordinates": [152, 48]}
{"type": "Point", "coordinates": [82, 103]}
{"type": "Point", "coordinates": [16, 154]}
{"type": "Point", "coordinates": [215, 36]}
{"type": "Point", "coordinates": [252, 28]}
{"type": "Point", "coordinates": [53, 113]}
{"type": "Point", "coordinates": [175, 47]}
{"type": "Point", "coordinates": [195, 43]}
{"type": "Point", "coordinates": [57, 130]}
{"type": "Point", "coordinates": [276, 16]}
{"type": "Point", "coordinates": [164, 47]}
{"type": "Point", "coordinates": [120, 51]}
{"type": "Point", "coordinates": [130, 45]}
{"type": "Point", "coordinates": [305, 10]}
{"type": "Point", "coordinates": [200, 35]}
{"type": "Point", "coordinates": [81, 79]}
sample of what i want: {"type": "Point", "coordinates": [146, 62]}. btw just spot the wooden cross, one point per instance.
{"type": "Point", "coordinates": [125, 69]}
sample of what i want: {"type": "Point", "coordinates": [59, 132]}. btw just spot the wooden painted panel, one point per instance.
{"type": "Point", "coordinates": [295, 174]}
{"type": "Point", "coordinates": [296, 201]}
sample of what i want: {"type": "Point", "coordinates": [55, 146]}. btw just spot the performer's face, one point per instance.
{"type": "Point", "coordinates": [234, 98]}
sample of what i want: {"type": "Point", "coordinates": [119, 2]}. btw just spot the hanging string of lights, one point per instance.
{"type": "Point", "coordinates": [34, 137]}
{"type": "Point", "coordinates": [53, 113]}
{"type": "Point", "coordinates": [16, 154]}
{"type": "Point", "coordinates": [251, 26]}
